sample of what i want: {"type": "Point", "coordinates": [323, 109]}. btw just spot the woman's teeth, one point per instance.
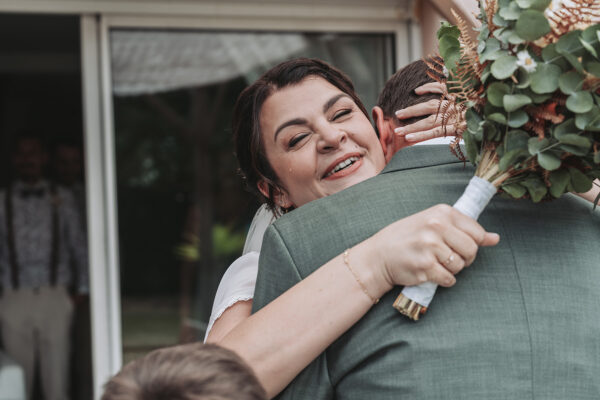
{"type": "Point", "coordinates": [344, 164]}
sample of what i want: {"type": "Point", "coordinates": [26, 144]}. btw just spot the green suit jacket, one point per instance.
{"type": "Point", "coordinates": [523, 322]}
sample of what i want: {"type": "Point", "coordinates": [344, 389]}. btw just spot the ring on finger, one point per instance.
{"type": "Point", "coordinates": [449, 260]}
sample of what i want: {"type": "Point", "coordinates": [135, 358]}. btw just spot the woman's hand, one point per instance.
{"type": "Point", "coordinates": [432, 245]}
{"type": "Point", "coordinates": [429, 127]}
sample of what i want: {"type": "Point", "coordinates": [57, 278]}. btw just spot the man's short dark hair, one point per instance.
{"type": "Point", "coordinates": [399, 91]}
{"type": "Point", "coordinates": [194, 371]}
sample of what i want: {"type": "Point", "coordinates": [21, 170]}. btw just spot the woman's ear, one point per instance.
{"type": "Point", "coordinates": [281, 197]}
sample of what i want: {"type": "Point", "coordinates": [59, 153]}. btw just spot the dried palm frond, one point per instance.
{"type": "Point", "coordinates": [491, 7]}
{"type": "Point", "coordinates": [569, 16]}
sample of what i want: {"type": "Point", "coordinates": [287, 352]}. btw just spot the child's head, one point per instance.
{"type": "Point", "coordinates": [187, 372]}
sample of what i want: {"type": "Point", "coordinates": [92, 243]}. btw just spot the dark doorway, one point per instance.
{"type": "Point", "coordinates": [41, 95]}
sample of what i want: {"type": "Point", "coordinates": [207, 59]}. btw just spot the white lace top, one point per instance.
{"type": "Point", "coordinates": [239, 280]}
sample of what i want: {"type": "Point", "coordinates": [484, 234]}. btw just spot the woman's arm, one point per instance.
{"type": "Point", "coordinates": [277, 342]}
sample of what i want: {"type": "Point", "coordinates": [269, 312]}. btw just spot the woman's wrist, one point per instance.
{"type": "Point", "coordinates": [369, 269]}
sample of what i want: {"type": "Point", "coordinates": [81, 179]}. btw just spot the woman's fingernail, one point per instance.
{"type": "Point", "coordinates": [399, 131]}
{"type": "Point", "coordinates": [399, 113]}
{"type": "Point", "coordinates": [410, 136]}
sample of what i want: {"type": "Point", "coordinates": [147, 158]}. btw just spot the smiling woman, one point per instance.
{"type": "Point", "coordinates": [302, 133]}
{"type": "Point", "coordinates": [318, 140]}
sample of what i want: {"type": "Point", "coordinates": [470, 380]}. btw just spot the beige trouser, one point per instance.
{"type": "Point", "coordinates": [37, 322]}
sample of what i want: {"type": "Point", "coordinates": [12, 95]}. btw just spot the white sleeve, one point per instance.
{"type": "Point", "coordinates": [261, 221]}
{"type": "Point", "coordinates": [239, 280]}
{"type": "Point", "coordinates": [237, 284]}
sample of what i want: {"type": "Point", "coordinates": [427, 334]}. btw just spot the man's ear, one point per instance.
{"type": "Point", "coordinates": [281, 196]}
{"type": "Point", "coordinates": [386, 132]}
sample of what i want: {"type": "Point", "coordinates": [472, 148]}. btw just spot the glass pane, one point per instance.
{"type": "Point", "coordinates": [183, 212]}
{"type": "Point", "coordinates": [42, 225]}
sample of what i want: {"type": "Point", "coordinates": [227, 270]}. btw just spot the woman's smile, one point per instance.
{"type": "Point", "coordinates": [343, 166]}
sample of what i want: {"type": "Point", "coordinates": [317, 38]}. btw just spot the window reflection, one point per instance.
{"type": "Point", "coordinates": [183, 212]}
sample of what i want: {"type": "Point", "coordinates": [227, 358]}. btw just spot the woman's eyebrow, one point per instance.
{"type": "Point", "coordinates": [333, 100]}
{"type": "Point", "coordinates": [295, 121]}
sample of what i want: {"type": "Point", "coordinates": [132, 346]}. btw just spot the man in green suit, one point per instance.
{"type": "Point", "coordinates": [523, 322]}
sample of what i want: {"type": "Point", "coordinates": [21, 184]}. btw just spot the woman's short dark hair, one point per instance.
{"type": "Point", "coordinates": [249, 147]}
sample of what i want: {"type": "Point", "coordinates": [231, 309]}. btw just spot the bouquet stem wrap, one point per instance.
{"type": "Point", "coordinates": [414, 300]}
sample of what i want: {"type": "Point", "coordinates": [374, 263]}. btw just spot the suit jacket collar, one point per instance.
{"type": "Point", "coordinates": [419, 157]}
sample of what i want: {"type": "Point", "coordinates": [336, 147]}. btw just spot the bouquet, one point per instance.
{"type": "Point", "coordinates": [529, 89]}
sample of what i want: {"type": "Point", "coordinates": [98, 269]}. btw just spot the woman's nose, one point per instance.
{"type": "Point", "coordinates": [331, 139]}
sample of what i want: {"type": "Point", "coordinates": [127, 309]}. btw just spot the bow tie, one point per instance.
{"type": "Point", "coordinates": [28, 193]}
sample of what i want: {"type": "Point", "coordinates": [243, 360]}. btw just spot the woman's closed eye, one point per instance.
{"type": "Point", "coordinates": [341, 113]}
{"type": "Point", "coordinates": [296, 139]}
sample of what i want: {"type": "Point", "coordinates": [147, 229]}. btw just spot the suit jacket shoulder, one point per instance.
{"type": "Point", "coordinates": [524, 313]}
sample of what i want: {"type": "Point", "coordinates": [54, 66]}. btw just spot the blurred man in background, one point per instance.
{"type": "Point", "coordinates": [43, 260]}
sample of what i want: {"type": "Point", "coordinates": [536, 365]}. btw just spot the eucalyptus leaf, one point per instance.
{"type": "Point", "coordinates": [516, 139]}
{"type": "Point", "coordinates": [589, 47]}
{"type": "Point", "coordinates": [536, 188]}
{"type": "Point", "coordinates": [480, 46]}
{"type": "Point", "coordinates": [576, 140]}
{"type": "Point", "coordinates": [470, 146]}
{"type": "Point", "coordinates": [513, 102]}
{"type": "Point", "coordinates": [574, 61]}
{"type": "Point", "coordinates": [498, 117]}
{"type": "Point", "coordinates": [473, 119]}
{"type": "Point", "coordinates": [589, 121]}
{"type": "Point", "coordinates": [514, 38]}
{"type": "Point", "coordinates": [539, 98]}
{"type": "Point", "coordinates": [532, 25]}
{"type": "Point", "coordinates": [550, 55]}
{"type": "Point", "coordinates": [579, 181]}
{"type": "Point", "coordinates": [490, 130]}
{"type": "Point", "coordinates": [580, 102]}
{"type": "Point", "coordinates": [511, 158]}
{"type": "Point", "coordinates": [504, 67]}
{"type": "Point", "coordinates": [496, 92]}
{"type": "Point", "coordinates": [510, 13]}
{"type": "Point", "coordinates": [589, 34]}
{"type": "Point", "coordinates": [515, 190]}
{"type": "Point", "coordinates": [535, 4]}
{"type": "Point", "coordinates": [576, 151]}
{"type": "Point", "coordinates": [545, 78]}
{"type": "Point", "coordinates": [523, 79]}
{"type": "Point", "coordinates": [548, 161]}
{"type": "Point", "coordinates": [593, 68]}
{"type": "Point", "coordinates": [499, 21]}
{"type": "Point", "coordinates": [534, 145]}
{"type": "Point", "coordinates": [492, 50]}
{"type": "Point", "coordinates": [517, 119]}
{"type": "Point", "coordinates": [558, 182]}
{"type": "Point", "coordinates": [448, 29]}
{"type": "Point", "coordinates": [448, 41]}
{"type": "Point", "coordinates": [569, 44]}
{"type": "Point", "coordinates": [570, 82]}
{"type": "Point", "coordinates": [564, 128]}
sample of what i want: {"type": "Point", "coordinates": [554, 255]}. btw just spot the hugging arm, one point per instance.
{"type": "Point", "coordinates": [302, 317]}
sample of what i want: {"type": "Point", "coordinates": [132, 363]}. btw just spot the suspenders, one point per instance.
{"type": "Point", "coordinates": [10, 229]}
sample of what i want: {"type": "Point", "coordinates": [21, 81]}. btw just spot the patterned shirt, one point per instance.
{"type": "Point", "coordinates": [32, 222]}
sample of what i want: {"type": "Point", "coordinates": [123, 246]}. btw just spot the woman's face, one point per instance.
{"type": "Point", "coordinates": [317, 141]}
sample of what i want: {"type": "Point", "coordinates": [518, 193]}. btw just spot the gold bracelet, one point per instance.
{"type": "Point", "coordinates": [362, 286]}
